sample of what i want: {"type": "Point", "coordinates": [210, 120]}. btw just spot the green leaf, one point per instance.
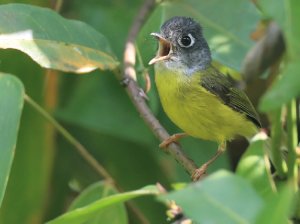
{"type": "Point", "coordinates": [226, 33]}
{"type": "Point", "coordinates": [253, 167]}
{"type": "Point", "coordinates": [278, 209]}
{"type": "Point", "coordinates": [52, 41]}
{"type": "Point", "coordinates": [11, 101]}
{"type": "Point", "coordinates": [83, 214]}
{"type": "Point", "coordinates": [31, 169]}
{"type": "Point", "coordinates": [115, 214]}
{"type": "Point", "coordinates": [286, 14]}
{"type": "Point", "coordinates": [221, 198]}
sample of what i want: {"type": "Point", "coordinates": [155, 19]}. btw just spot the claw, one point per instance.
{"type": "Point", "coordinates": [168, 141]}
{"type": "Point", "coordinates": [200, 173]}
{"type": "Point", "coordinates": [143, 94]}
{"type": "Point", "coordinates": [174, 138]}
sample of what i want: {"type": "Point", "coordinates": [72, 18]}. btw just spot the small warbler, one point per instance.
{"type": "Point", "coordinates": [196, 96]}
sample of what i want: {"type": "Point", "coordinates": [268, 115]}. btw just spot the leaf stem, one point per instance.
{"type": "Point", "coordinates": [276, 143]}
{"type": "Point", "coordinates": [85, 154]}
{"type": "Point", "coordinates": [292, 143]}
{"type": "Point", "coordinates": [139, 56]}
{"type": "Point", "coordinates": [145, 70]}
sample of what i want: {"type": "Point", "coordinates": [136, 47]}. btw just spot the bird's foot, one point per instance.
{"type": "Point", "coordinates": [174, 138]}
{"type": "Point", "coordinates": [200, 173]}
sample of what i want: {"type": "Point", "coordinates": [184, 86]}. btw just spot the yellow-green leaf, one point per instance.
{"type": "Point", "coordinates": [53, 41]}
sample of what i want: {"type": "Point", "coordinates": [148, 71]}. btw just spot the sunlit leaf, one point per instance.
{"type": "Point", "coordinates": [11, 101]}
{"type": "Point", "coordinates": [52, 41]}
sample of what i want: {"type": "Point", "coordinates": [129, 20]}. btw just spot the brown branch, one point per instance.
{"type": "Point", "coordinates": [129, 53]}
{"type": "Point", "coordinates": [132, 88]}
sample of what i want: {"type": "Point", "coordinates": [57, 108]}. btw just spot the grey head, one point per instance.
{"type": "Point", "coordinates": [182, 46]}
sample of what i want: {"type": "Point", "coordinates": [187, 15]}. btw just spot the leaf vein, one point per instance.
{"type": "Point", "coordinates": [227, 210]}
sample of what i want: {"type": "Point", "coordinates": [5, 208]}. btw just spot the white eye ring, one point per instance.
{"type": "Point", "coordinates": [192, 40]}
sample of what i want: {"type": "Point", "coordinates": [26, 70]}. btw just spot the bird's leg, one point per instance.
{"type": "Point", "coordinates": [173, 138]}
{"type": "Point", "coordinates": [200, 173]}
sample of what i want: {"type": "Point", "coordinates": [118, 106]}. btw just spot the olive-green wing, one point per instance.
{"type": "Point", "coordinates": [240, 101]}
{"type": "Point", "coordinates": [219, 85]}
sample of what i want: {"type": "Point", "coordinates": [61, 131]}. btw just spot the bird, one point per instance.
{"type": "Point", "coordinates": [197, 97]}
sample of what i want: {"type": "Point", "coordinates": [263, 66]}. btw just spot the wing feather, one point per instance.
{"type": "Point", "coordinates": [219, 85]}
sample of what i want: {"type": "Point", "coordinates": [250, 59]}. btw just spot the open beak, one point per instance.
{"type": "Point", "coordinates": [164, 49]}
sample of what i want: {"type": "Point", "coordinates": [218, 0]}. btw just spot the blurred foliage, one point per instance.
{"type": "Point", "coordinates": [287, 16]}
{"type": "Point", "coordinates": [28, 183]}
{"type": "Point", "coordinates": [240, 204]}
{"type": "Point", "coordinates": [48, 177]}
{"type": "Point", "coordinates": [12, 91]}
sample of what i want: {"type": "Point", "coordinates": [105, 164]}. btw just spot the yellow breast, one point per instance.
{"type": "Point", "coordinates": [196, 111]}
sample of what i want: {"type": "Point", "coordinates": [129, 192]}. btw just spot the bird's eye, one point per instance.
{"type": "Point", "coordinates": [186, 41]}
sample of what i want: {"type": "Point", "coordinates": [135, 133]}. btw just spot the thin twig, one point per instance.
{"type": "Point", "coordinates": [87, 156]}
{"type": "Point", "coordinates": [129, 77]}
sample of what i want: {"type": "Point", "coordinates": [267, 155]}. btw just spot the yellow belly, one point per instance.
{"type": "Point", "coordinates": [198, 112]}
